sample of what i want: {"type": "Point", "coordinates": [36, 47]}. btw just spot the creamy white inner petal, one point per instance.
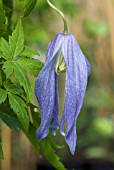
{"type": "Point", "coordinates": [60, 65]}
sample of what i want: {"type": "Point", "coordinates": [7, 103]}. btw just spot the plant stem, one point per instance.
{"type": "Point", "coordinates": [61, 14]}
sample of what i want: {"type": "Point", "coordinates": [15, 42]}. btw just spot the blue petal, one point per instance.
{"type": "Point", "coordinates": [76, 81]}
{"type": "Point", "coordinates": [45, 89]}
{"type": "Point", "coordinates": [54, 47]}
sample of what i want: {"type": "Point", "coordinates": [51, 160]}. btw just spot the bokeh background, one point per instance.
{"type": "Point", "coordinates": [92, 22]}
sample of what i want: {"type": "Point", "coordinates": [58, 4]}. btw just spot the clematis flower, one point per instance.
{"type": "Point", "coordinates": [63, 54]}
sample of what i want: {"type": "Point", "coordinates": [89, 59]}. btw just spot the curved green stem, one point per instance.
{"type": "Point", "coordinates": [61, 14]}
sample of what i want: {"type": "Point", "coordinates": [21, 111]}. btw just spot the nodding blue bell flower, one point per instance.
{"type": "Point", "coordinates": [63, 54]}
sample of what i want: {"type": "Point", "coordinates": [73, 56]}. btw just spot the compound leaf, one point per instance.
{"type": "Point", "coordinates": [5, 48]}
{"type": "Point", "coordinates": [13, 88]}
{"type": "Point", "coordinates": [8, 68]}
{"type": "Point", "coordinates": [19, 107]}
{"type": "Point", "coordinates": [28, 52]}
{"type": "Point", "coordinates": [50, 154]}
{"type": "Point", "coordinates": [22, 77]}
{"type": "Point", "coordinates": [16, 41]}
{"type": "Point", "coordinates": [32, 138]}
{"type": "Point", "coordinates": [10, 121]}
{"type": "Point", "coordinates": [3, 95]}
{"type": "Point", "coordinates": [31, 65]}
{"type": "Point", "coordinates": [46, 144]}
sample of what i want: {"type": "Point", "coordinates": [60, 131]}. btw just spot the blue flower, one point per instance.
{"type": "Point", "coordinates": [63, 53]}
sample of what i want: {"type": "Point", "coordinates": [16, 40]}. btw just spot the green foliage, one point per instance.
{"type": "Point", "coordinates": [19, 107]}
{"type": "Point", "coordinates": [20, 75]}
{"type": "Point", "coordinates": [10, 121]}
{"type": "Point", "coordinates": [23, 79]}
{"type": "Point", "coordinates": [8, 68]}
{"type": "Point", "coordinates": [13, 88]}
{"type": "Point", "coordinates": [32, 138]}
{"type": "Point", "coordinates": [28, 6]}
{"type": "Point", "coordinates": [50, 154]}
{"type": "Point", "coordinates": [47, 145]}
{"type": "Point", "coordinates": [3, 95]}
{"type": "Point", "coordinates": [15, 78]}
{"type": "Point", "coordinates": [31, 135]}
{"type": "Point", "coordinates": [10, 51]}
{"type": "Point", "coordinates": [16, 63]}
{"type": "Point", "coordinates": [31, 65]}
{"type": "Point", "coordinates": [5, 49]}
{"type": "Point", "coordinates": [16, 41]}
{"type": "Point", "coordinates": [28, 52]}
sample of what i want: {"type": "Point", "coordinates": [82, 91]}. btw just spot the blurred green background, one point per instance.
{"type": "Point", "coordinates": [92, 22]}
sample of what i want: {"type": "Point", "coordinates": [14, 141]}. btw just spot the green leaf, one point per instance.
{"type": "Point", "coordinates": [1, 151]}
{"type": "Point", "coordinates": [19, 107]}
{"type": "Point", "coordinates": [10, 121]}
{"type": "Point", "coordinates": [8, 67]}
{"type": "Point", "coordinates": [28, 6]}
{"type": "Point", "coordinates": [23, 79]}
{"type": "Point", "coordinates": [50, 154]}
{"type": "Point", "coordinates": [53, 144]}
{"type": "Point", "coordinates": [32, 138]}
{"type": "Point", "coordinates": [3, 95]}
{"type": "Point", "coordinates": [46, 144]}
{"type": "Point", "coordinates": [13, 88]}
{"type": "Point", "coordinates": [5, 48]}
{"type": "Point", "coordinates": [33, 127]}
{"type": "Point", "coordinates": [0, 51]}
{"type": "Point", "coordinates": [1, 55]}
{"type": "Point", "coordinates": [16, 41]}
{"type": "Point", "coordinates": [20, 75]}
{"type": "Point", "coordinates": [28, 52]}
{"type": "Point", "coordinates": [31, 65]}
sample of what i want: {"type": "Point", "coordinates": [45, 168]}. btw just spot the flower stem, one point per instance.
{"type": "Point", "coordinates": [61, 14]}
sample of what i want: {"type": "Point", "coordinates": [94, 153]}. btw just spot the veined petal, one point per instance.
{"type": "Point", "coordinates": [45, 93]}
{"type": "Point", "coordinates": [76, 81]}
{"type": "Point", "coordinates": [54, 47]}
{"type": "Point", "coordinates": [45, 86]}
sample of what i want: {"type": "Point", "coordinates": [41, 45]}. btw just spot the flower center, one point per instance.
{"type": "Point", "coordinates": [60, 65]}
